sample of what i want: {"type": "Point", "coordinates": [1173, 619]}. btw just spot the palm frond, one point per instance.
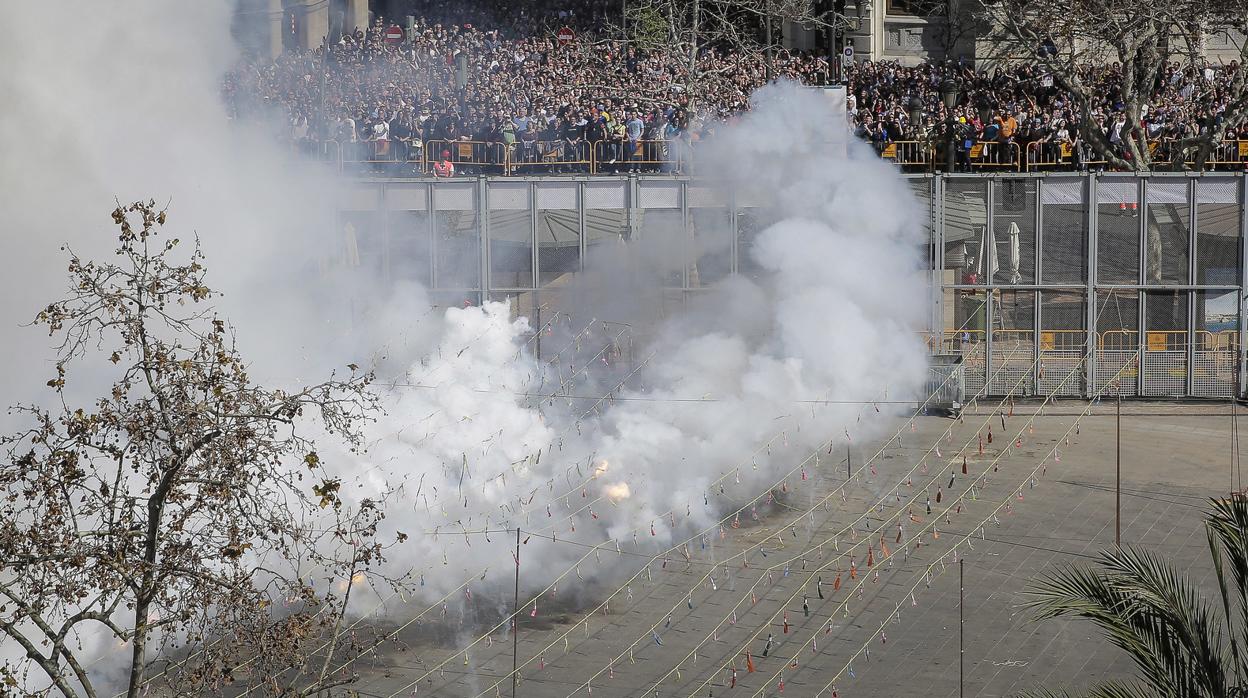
{"type": "Point", "coordinates": [1149, 611]}
{"type": "Point", "coordinates": [1227, 530]}
{"type": "Point", "coordinates": [1185, 631]}
{"type": "Point", "coordinates": [1086, 593]}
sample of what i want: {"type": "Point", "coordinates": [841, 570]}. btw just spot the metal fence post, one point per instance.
{"type": "Point", "coordinates": [990, 288]}
{"type": "Point", "coordinates": [1089, 364]}
{"type": "Point", "coordinates": [1189, 387]}
{"type": "Point", "coordinates": [532, 195]}
{"type": "Point", "coordinates": [483, 237]}
{"type": "Point", "coordinates": [936, 222]}
{"type": "Point", "coordinates": [1243, 285]}
{"type": "Point", "coordinates": [1036, 296]}
{"type": "Point", "coordinates": [1141, 195]}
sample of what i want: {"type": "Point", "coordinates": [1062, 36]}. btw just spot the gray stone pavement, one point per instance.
{"type": "Point", "coordinates": [1174, 457]}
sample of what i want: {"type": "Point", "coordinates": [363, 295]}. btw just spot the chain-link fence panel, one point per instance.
{"type": "Point", "coordinates": [1218, 251]}
{"type": "Point", "coordinates": [1013, 234]}
{"type": "Point", "coordinates": [1117, 343]}
{"type": "Point", "coordinates": [1013, 343]}
{"type": "Point", "coordinates": [1215, 357]}
{"type": "Point", "coordinates": [1062, 343]}
{"type": "Point", "coordinates": [1064, 231]}
{"type": "Point", "coordinates": [965, 315]}
{"type": "Point", "coordinates": [1165, 344]}
{"type": "Point", "coordinates": [1117, 231]}
{"type": "Point", "coordinates": [1167, 233]}
{"type": "Point", "coordinates": [966, 228]}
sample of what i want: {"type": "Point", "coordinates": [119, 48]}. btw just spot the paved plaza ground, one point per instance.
{"type": "Point", "coordinates": [1022, 519]}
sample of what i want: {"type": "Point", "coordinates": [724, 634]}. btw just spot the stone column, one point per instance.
{"type": "Point", "coordinates": [357, 16]}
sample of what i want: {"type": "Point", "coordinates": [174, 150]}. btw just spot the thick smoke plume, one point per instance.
{"type": "Point", "coordinates": [480, 435]}
{"type": "Point", "coordinates": [827, 329]}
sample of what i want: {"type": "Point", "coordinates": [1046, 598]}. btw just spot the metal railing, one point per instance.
{"type": "Point", "coordinates": [614, 157]}
{"type": "Point", "coordinates": [910, 154]}
{"type": "Point", "coordinates": [994, 155]}
{"type": "Point", "coordinates": [1162, 368]}
{"type": "Point", "coordinates": [469, 157]}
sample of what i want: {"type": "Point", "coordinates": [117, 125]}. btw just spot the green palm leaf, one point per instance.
{"type": "Point", "coordinates": [1182, 643]}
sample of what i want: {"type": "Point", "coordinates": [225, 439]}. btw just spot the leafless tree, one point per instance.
{"type": "Point", "coordinates": [749, 28]}
{"type": "Point", "coordinates": [1125, 46]}
{"type": "Point", "coordinates": [183, 518]}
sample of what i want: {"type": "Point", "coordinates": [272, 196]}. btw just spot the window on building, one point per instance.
{"type": "Point", "coordinates": [917, 8]}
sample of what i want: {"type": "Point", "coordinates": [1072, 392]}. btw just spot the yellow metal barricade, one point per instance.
{"type": "Point", "coordinates": [638, 156]}
{"type": "Point", "coordinates": [1231, 154]}
{"type": "Point", "coordinates": [468, 156]}
{"type": "Point", "coordinates": [551, 157]}
{"type": "Point", "coordinates": [1225, 340]}
{"type": "Point", "coordinates": [1050, 155]}
{"type": "Point", "coordinates": [1118, 340]}
{"type": "Point", "coordinates": [993, 155]}
{"type": "Point", "coordinates": [910, 154]}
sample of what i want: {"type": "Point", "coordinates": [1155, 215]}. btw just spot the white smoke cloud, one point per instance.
{"type": "Point", "coordinates": [830, 317]}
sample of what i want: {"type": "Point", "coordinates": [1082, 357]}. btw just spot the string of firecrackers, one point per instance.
{"type": "Point", "coordinates": [597, 548]}
{"type": "Point", "coordinates": [854, 546]}
{"type": "Point", "coordinates": [741, 554]}
{"type": "Point", "coordinates": [896, 613]}
{"type": "Point", "coordinates": [843, 606]}
{"type": "Point", "coordinates": [798, 556]}
{"type": "Point", "coordinates": [463, 585]}
{"type": "Point", "coordinates": [246, 663]}
{"type": "Point", "coordinates": [595, 551]}
{"type": "Point", "coordinates": [599, 401]}
{"type": "Point", "coordinates": [547, 326]}
{"type": "Point", "coordinates": [563, 383]}
{"type": "Point", "coordinates": [769, 571]}
{"type": "Point", "coordinates": [644, 569]}
{"type": "Point", "coordinates": [759, 545]}
{"type": "Point", "coordinates": [848, 553]}
{"type": "Point", "coordinates": [541, 653]}
{"type": "Point", "coordinates": [501, 624]}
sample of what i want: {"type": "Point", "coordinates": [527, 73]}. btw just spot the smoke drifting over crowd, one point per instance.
{"type": "Point", "coordinates": [479, 434]}
{"type": "Point", "coordinates": [726, 396]}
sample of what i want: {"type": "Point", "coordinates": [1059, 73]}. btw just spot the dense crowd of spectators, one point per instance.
{"type": "Point", "coordinates": [525, 91]}
{"type": "Point", "coordinates": [1021, 107]}
{"type": "Point", "coordinates": [527, 94]}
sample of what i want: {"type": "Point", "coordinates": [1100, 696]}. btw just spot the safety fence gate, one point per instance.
{"type": "Point", "coordinates": [1073, 284]}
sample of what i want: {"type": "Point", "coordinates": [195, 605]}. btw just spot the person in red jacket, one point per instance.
{"type": "Point", "coordinates": [444, 167]}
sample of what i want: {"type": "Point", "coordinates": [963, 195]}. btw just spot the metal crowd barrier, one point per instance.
{"type": "Point", "coordinates": [1050, 155]}
{"type": "Point", "coordinates": [474, 157]}
{"type": "Point", "coordinates": [914, 154]}
{"type": "Point", "coordinates": [1158, 368]}
{"type": "Point", "coordinates": [993, 155]}
{"type": "Point", "coordinates": [610, 157]}
{"type": "Point", "coordinates": [549, 157]}
{"type": "Point", "coordinates": [636, 156]}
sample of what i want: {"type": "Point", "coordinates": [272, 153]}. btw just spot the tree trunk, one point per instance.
{"type": "Point", "coordinates": [770, 57]}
